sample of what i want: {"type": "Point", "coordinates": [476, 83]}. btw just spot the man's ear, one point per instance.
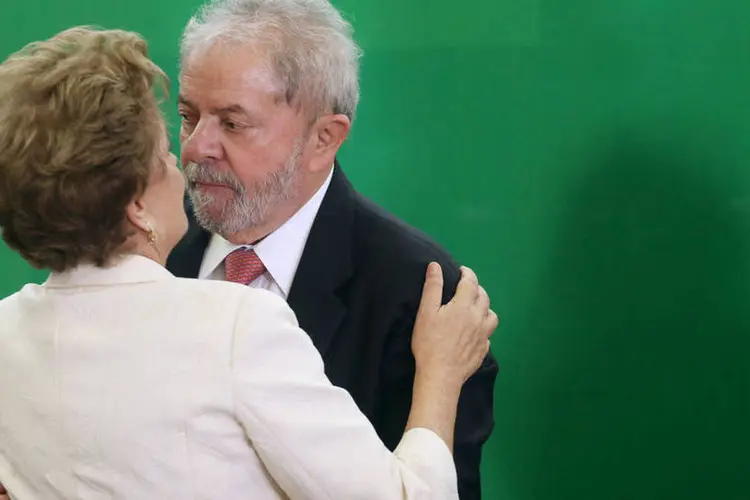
{"type": "Point", "coordinates": [327, 135]}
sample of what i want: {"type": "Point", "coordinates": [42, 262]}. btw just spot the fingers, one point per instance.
{"type": "Point", "coordinates": [489, 325]}
{"type": "Point", "coordinates": [483, 300]}
{"type": "Point", "coordinates": [468, 274]}
{"type": "Point", "coordinates": [484, 333]}
{"type": "Point", "coordinates": [432, 293]}
{"type": "Point", "coordinates": [468, 287]}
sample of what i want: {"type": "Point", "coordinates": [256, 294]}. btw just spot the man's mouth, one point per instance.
{"type": "Point", "coordinates": [209, 185]}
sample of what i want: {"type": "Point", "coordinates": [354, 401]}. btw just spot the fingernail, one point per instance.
{"type": "Point", "coordinates": [433, 269]}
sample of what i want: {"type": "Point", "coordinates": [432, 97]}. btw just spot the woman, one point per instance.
{"type": "Point", "coordinates": [120, 380]}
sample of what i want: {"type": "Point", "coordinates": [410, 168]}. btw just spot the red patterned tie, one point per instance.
{"type": "Point", "coordinates": [243, 266]}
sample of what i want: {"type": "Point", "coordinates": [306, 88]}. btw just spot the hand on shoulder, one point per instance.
{"type": "Point", "coordinates": [452, 340]}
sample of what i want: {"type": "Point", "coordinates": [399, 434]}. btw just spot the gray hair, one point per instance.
{"type": "Point", "coordinates": [309, 43]}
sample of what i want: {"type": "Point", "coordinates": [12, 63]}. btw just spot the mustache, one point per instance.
{"type": "Point", "coordinates": [206, 174]}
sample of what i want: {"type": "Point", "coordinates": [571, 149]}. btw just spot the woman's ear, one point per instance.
{"type": "Point", "coordinates": [136, 214]}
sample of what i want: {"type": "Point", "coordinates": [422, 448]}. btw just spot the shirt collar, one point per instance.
{"type": "Point", "coordinates": [127, 269]}
{"type": "Point", "coordinates": [280, 251]}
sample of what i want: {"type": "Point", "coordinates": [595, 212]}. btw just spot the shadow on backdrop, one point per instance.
{"type": "Point", "coordinates": [639, 337]}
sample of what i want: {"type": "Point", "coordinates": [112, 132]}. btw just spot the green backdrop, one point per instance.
{"type": "Point", "coordinates": [589, 159]}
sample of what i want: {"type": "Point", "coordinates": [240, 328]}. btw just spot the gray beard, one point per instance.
{"type": "Point", "coordinates": [243, 211]}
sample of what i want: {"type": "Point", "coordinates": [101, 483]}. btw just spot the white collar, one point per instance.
{"type": "Point", "coordinates": [280, 251]}
{"type": "Point", "coordinates": [126, 269]}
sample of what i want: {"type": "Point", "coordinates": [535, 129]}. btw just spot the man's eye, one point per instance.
{"type": "Point", "coordinates": [185, 119]}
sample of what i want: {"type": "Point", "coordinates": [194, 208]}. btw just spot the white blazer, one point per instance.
{"type": "Point", "coordinates": [130, 383]}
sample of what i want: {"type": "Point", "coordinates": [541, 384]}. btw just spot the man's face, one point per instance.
{"type": "Point", "coordinates": [242, 143]}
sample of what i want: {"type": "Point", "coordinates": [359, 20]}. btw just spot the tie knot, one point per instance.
{"type": "Point", "coordinates": [243, 266]}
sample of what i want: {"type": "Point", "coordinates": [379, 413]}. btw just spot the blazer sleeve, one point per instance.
{"type": "Point", "coordinates": [310, 435]}
{"type": "Point", "coordinates": [475, 418]}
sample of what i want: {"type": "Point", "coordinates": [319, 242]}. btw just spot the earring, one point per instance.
{"type": "Point", "coordinates": [152, 236]}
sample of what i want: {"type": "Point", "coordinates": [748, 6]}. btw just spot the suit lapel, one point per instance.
{"type": "Point", "coordinates": [186, 258]}
{"type": "Point", "coordinates": [326, 264]}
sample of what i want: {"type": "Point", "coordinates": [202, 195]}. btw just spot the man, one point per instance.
{"type": "Point", "coordinates": [268, 92]}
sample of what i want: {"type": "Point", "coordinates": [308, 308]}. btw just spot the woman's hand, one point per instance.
{"type": "Point", "coordinates": [450, 341]}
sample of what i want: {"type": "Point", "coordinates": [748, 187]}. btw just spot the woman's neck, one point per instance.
{"type": "Point", "coordinates": [145, 249]}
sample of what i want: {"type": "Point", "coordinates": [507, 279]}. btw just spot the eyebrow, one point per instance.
{"type": "Point", "coordinates": [224, 110]}
{"type": "Point", "coordinates": [233, 109]}
{"type": "Point", "coordinates": [181, 99]}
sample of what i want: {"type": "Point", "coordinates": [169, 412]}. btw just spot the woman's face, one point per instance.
{"type": "Point", "coordinates": [164, 200]}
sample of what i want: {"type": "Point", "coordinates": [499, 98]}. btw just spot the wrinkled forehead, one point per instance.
{"type": "Point", "coordinates": [229, 72]}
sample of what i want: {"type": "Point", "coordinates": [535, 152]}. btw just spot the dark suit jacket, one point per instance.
{"type": "Point", "coordinates": [356, 293]}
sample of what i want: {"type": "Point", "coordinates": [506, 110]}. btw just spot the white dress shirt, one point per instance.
{"type": "Point", "coordinates": [280, 251]}
{"type": "Point", "coordinates": [129, 383]}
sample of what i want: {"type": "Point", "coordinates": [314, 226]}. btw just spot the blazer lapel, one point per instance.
{"type": "Point", "coordinates": [186, 258]}
{"type": "Point", "coordinates": [326, 264]}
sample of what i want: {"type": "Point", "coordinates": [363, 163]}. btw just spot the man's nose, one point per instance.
{"type": "Point", "coordinates": [203, 143]}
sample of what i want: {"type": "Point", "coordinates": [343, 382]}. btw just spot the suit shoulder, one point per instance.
{"type": "Point", "coordinates": [9, 305]}
{"type": "Point", "coordinates": [382, 236]}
